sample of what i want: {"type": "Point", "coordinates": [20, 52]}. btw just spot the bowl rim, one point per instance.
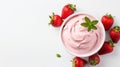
{"type": "Point", "coordinates": [88, 54]}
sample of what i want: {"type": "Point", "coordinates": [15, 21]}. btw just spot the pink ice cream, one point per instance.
{"type": "Point", "coordinates": [77, 39]}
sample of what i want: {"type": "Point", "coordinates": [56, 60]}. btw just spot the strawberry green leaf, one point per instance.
{"type": "Point", "coordinates": [111, 43]}
{"type": "Point", "coordinates": [92, 62]}
{"type": "Point", "coordinates": [72, 6]}
{"type": "Point", "coordinates": [51, 18]}
{"type": "Point", "coordinates": [117, 28]}
{"type": "Point", "coordinates": [73, 63]}
{"type": "Point", "coordinates": [58, 55]}
{"type": "Point", "coordinates": [109, 15]}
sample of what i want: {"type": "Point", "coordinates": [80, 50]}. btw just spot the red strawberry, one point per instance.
{"type": "Point", "coordinates": [55, 20]}
{"type": "Point", "coordinates": [115, 34]}
{"type": "Point", "coordinates": [94, 59]}
{"type": "Point", "coordinates": [107, 21]}
{"type": "Point", "coordinates": [106, 48]}
{"type": "Point", "coordinates": [68, 10]}
{"type": "Point", "coordinates": [78, 62]}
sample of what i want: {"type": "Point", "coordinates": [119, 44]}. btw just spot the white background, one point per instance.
{"type": "Point", "coordinates": [26, 40]}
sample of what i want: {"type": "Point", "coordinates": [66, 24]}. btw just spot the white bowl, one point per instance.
{"type": "Point", "coordinates": [88, 54]}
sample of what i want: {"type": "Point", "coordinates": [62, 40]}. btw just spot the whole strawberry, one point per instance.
{"type": "Point", "coordinates": [115, 34]}
{"type": "Point", "coordinates": [106, 48]}
{"type": "Point", "coordinates": [68, 10]}
{"type": "Point", "coordinates": [55, 20]}
{"type": "Point", "coordinates": [78, 62]}
{"type": "Point", "coordinates": [107, 21]}
{"type": "Point", "coordinates": [94, 59]}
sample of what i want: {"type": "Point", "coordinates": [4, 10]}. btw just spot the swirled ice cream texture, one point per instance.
{"type": "Point", "coordinates": [77, 39]}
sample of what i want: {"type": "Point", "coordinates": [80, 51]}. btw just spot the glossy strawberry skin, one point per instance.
{"type": "Point", "coordinates": [107, 21]}
{"type": "Point", "coordinates": [106, 48]}
{"type": "Point", "coordinates": [115, 34]}
{"type": "Point", "coordinates": [67, 10]}
{"type": "Point", "coordinates": [79, 62]}
{"type": "Point", "coordinates": [55, 20]}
